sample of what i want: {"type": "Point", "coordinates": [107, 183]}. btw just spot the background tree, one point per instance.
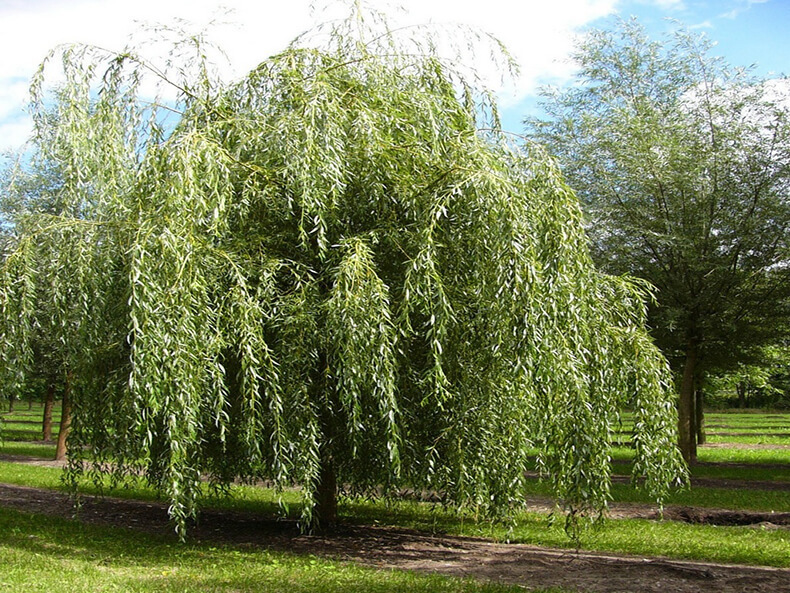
{"type": "Point", "coordinates": [326, 274]}
{"type": "Point", "coordinates": [683, 165]}
{"type": "Point", "coordinates": [33, 193]}
{"type": "Point", "coordinates": [760, 380]}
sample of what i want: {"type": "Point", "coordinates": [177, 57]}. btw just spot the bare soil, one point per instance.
{"type": "Point", "coordinates": [385, 547]}
{"type": "Point", "coordinates": [745, 446]}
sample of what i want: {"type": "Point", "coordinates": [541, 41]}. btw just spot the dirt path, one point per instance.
{"type": "Point", "coordinates": [381, 547]}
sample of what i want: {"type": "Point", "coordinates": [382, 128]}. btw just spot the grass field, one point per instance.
{"type": "Point", "coordinates": [758, 480]}
{"type": "Point", "coordinates": [24, 424]}
{"type": "Point", "coordinates": [753, 428]}
{"type": "Point", "coordinates": [43, 555]}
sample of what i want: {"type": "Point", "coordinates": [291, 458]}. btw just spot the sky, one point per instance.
{"type": "Point", "coordinates": [538, 33]}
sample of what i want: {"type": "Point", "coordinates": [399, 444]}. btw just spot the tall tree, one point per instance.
{"type": "Point", "coordinates": [683, 165]}
{"type": "Point", "coordinates": [327, 274]}
{"type": "Point", "coordinates": [32, 191]}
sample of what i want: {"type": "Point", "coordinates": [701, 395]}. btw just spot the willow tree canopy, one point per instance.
{"type": "Point", "coordinates": [335, 271]}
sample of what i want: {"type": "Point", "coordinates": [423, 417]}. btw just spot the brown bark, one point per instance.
{"type": "Point", "coordinates": [46, 423]}
{"type": "Point", "coordinates": [325, 511]}
{"type": "Point", "coordinates": [686, 417]}
{"type": "Point", "coordinates": [11, 403]}
{"type": "Point", "coordinates": [741, 388]}
{"type": "Point", "coordinates": [65, 421]}
{"type": "Point", "coordinates": [700, 412]}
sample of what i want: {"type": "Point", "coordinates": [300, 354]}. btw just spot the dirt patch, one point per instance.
{"type": "Point", "coordinates": [730, 484]}
{"type": "Point", "coordinates": [744, 446]}
{"type": "Point", "coordinates": [783, 435]}
{"type": "Point", "coordinates": [727, 517]}
{"type": "Point", "coordinates": [30, 460]}
{"type": "Point", "coordinates": [753, 427]}
{"type": "Point", "coordinates": [381, 547]}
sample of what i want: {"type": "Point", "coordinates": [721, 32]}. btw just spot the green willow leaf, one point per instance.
{"type": "Point", "coordinates": [330, 275]}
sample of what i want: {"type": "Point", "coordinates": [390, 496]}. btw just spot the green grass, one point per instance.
{"type": "Point", "coordinates": [24, 424]}
{"type": "Point", "coordinates": [723, 455]}
{"type": "Point", "coordinates": [29, 475]}
{"type": "Point", "coordinates": [745, 474]}
{"type": "Point", "coordinates": [42, 450]}
{"type": "Point", "coordinates": [756, 439]}
{"type": "Point", "coordinates": [754, 416]}
{"type": "Point", "coordinates": [737, 545]}
{"type": "Point", "coordinates": [675, 540]}
{"type": "Point", "coordinates": [265, 500]}
{"type": "Point", "coordinates": [698, 496]}
{"type": "Point", "coordinates": [43, 555]}
{"type": "Point", "coordinates": [755, 456]}
{"type": "Point", "coordinates": [758, 428]}
{"type": "Point", "coordinates": [68, 556]}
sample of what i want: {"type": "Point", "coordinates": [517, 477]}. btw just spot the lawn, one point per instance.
{"type": "Point", "coordinates": [44, 554]}
{"type": "Point", "coordinates": [24, 423]}
{"type": "Point", "coordinates": [89, 558]}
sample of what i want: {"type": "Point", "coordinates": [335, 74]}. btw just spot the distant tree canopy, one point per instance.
{"type": "Point", "coordinates": [683, 164]}
{"type": "Point", "coordinates": [326, 274]}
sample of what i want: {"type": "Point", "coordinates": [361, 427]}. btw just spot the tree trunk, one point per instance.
{"type": "Point", "coordinates": [11, 403]}
{"type": "Point", "coordinates": [686, 417]}
{"type": "Point", "coordinates": [49, 402]}
{"type": "Point", "coordinates": [65, 421]}
{"type": "Point", "coordinates": [325, 511]}
{"type": "Point", "coordinates": [741, 389]}
{"type": "Point", "coordinates": [700, 411]}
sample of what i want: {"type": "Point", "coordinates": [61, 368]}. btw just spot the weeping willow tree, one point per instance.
{"type": "Point", "coordinates": [335, 273]}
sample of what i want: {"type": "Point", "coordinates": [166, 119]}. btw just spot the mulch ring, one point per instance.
{"type": "Point", "coordinates": [387, 548]}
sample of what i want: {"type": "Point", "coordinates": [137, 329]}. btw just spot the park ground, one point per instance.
{"type": "Point", "coordinates": [730, 532]}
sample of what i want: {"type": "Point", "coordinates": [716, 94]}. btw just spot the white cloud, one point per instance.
{"type": "Point", "coordinates": [668, 4]}
{"type": "Point", "coordinates": [539, 34]}
{"type": "Point", "coordinates": [703, 25]}
{"type": "Point", "coordinates": [744, 6]}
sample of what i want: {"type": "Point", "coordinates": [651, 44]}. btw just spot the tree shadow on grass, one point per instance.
{"type": "Point", "coordinates": [68, 552]}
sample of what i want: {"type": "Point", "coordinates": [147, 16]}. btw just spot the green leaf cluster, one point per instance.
{"type": "Point", "coordinates": [333, 262]}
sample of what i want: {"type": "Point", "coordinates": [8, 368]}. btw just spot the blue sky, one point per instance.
{"type": "Point", "coordinates": [538, 32]}
{"type": "Point", "coordinates": [746, 32]}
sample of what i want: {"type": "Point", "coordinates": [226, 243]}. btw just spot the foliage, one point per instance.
{"type": "Point", "coordinates": [326, 272]}
{"type": "Point", "coordinates": [762, 381]}
{"type": "Point", "coordinates": [683, 164]}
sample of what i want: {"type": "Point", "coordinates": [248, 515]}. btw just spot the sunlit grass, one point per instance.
{"type": "Point", "coordinates": [41, 450]}
{"type": "Point", "coordinates": [676, 540]}
{"type": "Point", "coordinates": [43, 554]}
{"type": "Point", "coordinates": [24, 424]}
{"type": "Point", "coordinates": [723, 455]}
{"type": "Point", "coordinates": [635, 536]}
{"type": "Point", "coordinates": [756, 439]}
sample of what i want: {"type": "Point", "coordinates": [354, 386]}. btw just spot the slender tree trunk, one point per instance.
{"type": "Point", "coordinates": [325, 511]}
{"type": "Point", "coordinates": [49, 402]}
{"type": "Point", "coordinates": [741, 389]}
{"type": "Point", "coordinates": [686, 417]}
{"type": "Point", "coordinates": [700, 411]}
{"type": "Point", "coordinates": [11, 403]}
{"type": "Point", "coordinates": [326, 504]}
{"type": "Point", "coordinates": [65, 420]}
